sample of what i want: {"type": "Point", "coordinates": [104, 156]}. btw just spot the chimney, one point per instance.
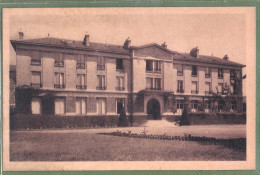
{"type": "Point", "coordinates": [164, 45]}
{"type": "Point", "coordinates": [226, 57]}
{"type": "Point", "coordinates": [127, 43]}
{"type": "Point", "coordinates": [194, 52]}
{"type": "Point", "coordinates": [86, 40]}
{"type": "Point", "coordinates": [21, 35]}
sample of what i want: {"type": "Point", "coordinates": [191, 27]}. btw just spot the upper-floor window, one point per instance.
{"type": "Point", "coordinates": [35, 58]}
{"type": "Point", "coordinates": [149, 65]}
{"type": "Point", "coordinates": [153, 83]}
{"type": "Point", "coordinates": [194, 87]}
{"type": "Point", "coordinates": [194, 71]}
{"type": "Point", "coordinates": [101, 63]}
{"type": "Point", "coordinates": [207, 88]}
{"type": "Point", "coordinates": [119, 64]}
{"type": "Point", "coordinates": [220, 73]}
{"type": "Point", "coordinates": [59, 80]}
{"type": "Point", "coordinates": [207, 72]}
{"type": "Point", "coordinates": [157, 66]}
{"type": "Point", "coordinates": [36, 79]}
{"type": "Point", "coordinates": [81, 81]}
{"type": "Point", "coordinates": [180, 86]}
{"type": "Point", "coordinates": [232, 74]}
{"type": "Point", "coordinates": [179, 70]}
{"type": "Point", "coordinates": [120, 83]}
{"type": "Point", "coordinates": [220, 88]}
{"type": "Point", "coordinates": [101, 80]}
{"type": "Point", "coordinates": [81, 62]}
{"type": "Point", "coordinates": [59, 60]}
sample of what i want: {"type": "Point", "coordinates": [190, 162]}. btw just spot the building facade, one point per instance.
{"type": "Point", "coordinates": [66, 77]}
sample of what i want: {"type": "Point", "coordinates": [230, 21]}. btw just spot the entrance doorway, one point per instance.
{"type": "Point", "coordinates": [153, 109]}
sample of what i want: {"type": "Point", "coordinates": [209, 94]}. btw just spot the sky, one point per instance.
{"type": "Point", "coordinates": [213, 34]}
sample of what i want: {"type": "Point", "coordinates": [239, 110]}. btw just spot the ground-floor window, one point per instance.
{"type": "Point", "coordinates": [120, 104]}
{"type": "Point", "coordinates": [101, 106]}
{"type": "Point", "coordinates": [59, 106]}
{"type": "Point", "coordinates": [207, 106]}
{"type": "Point", "coordinates": [36, 105]}
{"type": "Point", "coordinates": [81, 105]}
{"type": "Point", "coordinates": [194, 105]}
{"type": "Point", "coordinates": [180, 106]}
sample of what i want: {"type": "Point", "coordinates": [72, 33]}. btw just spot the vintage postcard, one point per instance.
{"type": "Point", "coordinates": [162, 88]}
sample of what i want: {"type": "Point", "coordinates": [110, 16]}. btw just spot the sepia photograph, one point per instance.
{"type": "Point", "coordinates": [129, 88]}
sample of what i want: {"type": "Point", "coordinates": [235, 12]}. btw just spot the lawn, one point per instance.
{"type": "Point", "coordinates": [88, 146]}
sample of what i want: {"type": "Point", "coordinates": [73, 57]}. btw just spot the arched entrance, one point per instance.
{"type": "Point", "coordinates": [153, 109]}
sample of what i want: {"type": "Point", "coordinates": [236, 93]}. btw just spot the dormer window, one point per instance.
{"type": "Point", "coordinates": [119, 64]}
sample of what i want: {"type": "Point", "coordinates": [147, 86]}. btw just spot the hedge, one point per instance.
{"type": "Point", "coordinates": [29, 121]}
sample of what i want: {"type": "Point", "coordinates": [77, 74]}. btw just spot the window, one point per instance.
{"type": "Point", "coordinates": [180, 106]}
{"type": "Point", "coordinates": [149, 83]}
{"type": "Point", "coordinates": [194, 71]}
{"type": "Point", "coordinates": [35, 58]}
{"type": "Point", "coordinates": [179, 70]}
{"type": "Point", "coordinates": [207, 105]}
{"type": "Point", "coordinates": [81, 105]}
{"type": "Point", "coordinates": [101, 82]}
{"type": "Point", "coordinates": [120, 83]}
{"type": "Point", "coordinates": [194, 87]}
{"type": "Point", "coordinates": [220, 73]}
{"type": "Point", "coordinates": [36, 80]}
{"type": "Point", "coordinates": [59, 60]}
{"type": "Point", "coordinates": [81, 81]}
{"type": "Point", "coordinates": [120, 103]}
{"type": "Point", "coordinates": [101, 106]}
{"type": "Point", "coordinates": [157, 66]}
{"type": "Point", "coordinates": [233, 105]}
{"type": "Point", "coordinates": [59, 106]}
{"type": "Point", "coordinates": [153, 83]}
{"type": "Point", "coordinates": [180, 86]}
{"type": "Point", "coordinates": [36, 105]}
{"type": "Point", "coordinates": [119, 64]}
{"type": "Point", "coordinates": [194, 105]}
{"type": "Point", "coordinates": [157, 84]}
{"type": "Point", "coordinates": [207, 72]}
{"type": "Point", "coordinates": [232, 74]}
{"type": "Point", "coordinates": [231, 88]}
{"type": "Point", "coordinates": [207, 88]}
{"type": "Point", "coordinates": [220, 88]}
{"type": "Point", "coordinates": [149, 65]}
{"type": "Point", "coordinates": [101, 63]}
{"type": "Point", "coordinates": [59, 80]}
{"type": "Point", "coordinates": [81, 62]}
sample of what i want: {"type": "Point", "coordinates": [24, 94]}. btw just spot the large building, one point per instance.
{"type": "Point", "coordinates": [69, 77]}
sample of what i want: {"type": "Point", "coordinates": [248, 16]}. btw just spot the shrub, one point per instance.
{"type": "Point", "coordinates": [184, 118]}
{"type": "Point", "coordinates": [123, 120]}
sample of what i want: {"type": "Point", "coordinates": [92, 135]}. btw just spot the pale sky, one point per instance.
{"type": "Point", "coordinates": [214, 34]}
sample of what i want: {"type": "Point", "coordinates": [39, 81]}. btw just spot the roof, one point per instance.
{"type": "Point", "coordinates": [64, 43]}
{"type": "Point", "coordinates": [153, 44]}
{"type": "Point", "coordinates": [205, 59]}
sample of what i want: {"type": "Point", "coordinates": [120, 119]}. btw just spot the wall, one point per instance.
{"type": "Point", "coordinates": [139, 81]}
{"type": "Point", "coordinates": [168, 76]}
{"type": "Point", "coordinates": [47, 72]}
{"type": "Point", "coordinates": [23, 74]}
